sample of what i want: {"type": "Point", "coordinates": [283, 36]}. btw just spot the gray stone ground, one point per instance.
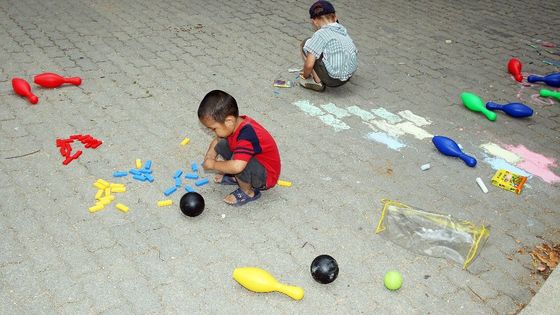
{"type": "Point", "coordinates": [147, 64]}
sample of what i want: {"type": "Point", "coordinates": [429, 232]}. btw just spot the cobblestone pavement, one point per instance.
{"type": "Point", "coordinates": [145, 67]}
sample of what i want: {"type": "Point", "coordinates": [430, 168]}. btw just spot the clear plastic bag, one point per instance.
{"type": "Point", "coordinates": [431, 234]}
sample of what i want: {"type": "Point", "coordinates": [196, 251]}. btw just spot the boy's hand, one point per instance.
{"type": "Point", "coordinates": [208, 164]}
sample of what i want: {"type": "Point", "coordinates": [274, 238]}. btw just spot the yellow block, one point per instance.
{"type": "Point", "coordinates": [107, 192]}
{"type": "Point", "coordinates": [106, 200]}
{"type": "Point", "coordinates": [284, 183]}
{"type": "Point", "coordinates": [96, 208]}
{"type": "Point", "coordinates": [103, 182]}
{"type": "Point", "coordinates": [138, 163]}
{"type": "Point", "coordinates": [115, 185]}
{"type": "Point", "coordinates": [99, 185]}
{"type": "Point", "coordinates": [163, 203]}
{"type": "Point", "coordinates": [122, 207]}
{"type": "Point", "coordinates": [118, 189]}
{"type": "Point", "coordinates": [185, 141]}
{"type": "Point", "coordinates": [99, 194]}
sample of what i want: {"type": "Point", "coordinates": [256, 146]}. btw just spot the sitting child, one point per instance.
{"type": "Point", "coordinates": [249, 155]}
{"type": "Point", "coordinates": [330, 57]}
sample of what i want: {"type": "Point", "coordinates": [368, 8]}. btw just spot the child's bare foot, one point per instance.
{"type": "Point", "coordinates": [225, 179]}
{"type": "Point", "coordinates": [239, 197]}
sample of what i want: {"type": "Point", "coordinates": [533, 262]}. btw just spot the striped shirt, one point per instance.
{"type": "Point", "coordinates": [340, 55]}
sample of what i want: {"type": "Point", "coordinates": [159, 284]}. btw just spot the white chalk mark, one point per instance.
{"type": "Point", "coordinates": [335, 110]}
{"type": "Point", "coordinates": [309, 108]}
{"type": "Point", "coordinates": [497, 151]}
{"type": "Point", "coordinates": [334, 122]}
{"type": "Point", "coordinates": [387, 115]}
{"type": "Point", "coordinates": [390, 129]}
{"type": "Point", "coordinates": [417, 132]}
{"type": "Point", "coordinates": [363, 114]}
{"type": "Point", "coordinates": [417, 120]}
{"type": "Point", "coordinates": [381, 137]}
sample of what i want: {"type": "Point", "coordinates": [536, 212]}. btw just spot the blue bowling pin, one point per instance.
{"type": "Point", "coordinates": [450, 148]}
{"type": "Point", "coordinates": [551, 79]}
{"type": "Point", "coordinates": [516, 110]}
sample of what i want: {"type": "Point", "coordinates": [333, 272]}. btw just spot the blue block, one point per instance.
{"type": "Point", "coordinates": [201, 182]}
{"type": "Point", "coordinates": [119, 174]}
{"type": "Point", "coordinates": [170, 190]}
{"type": "Point", "coordinates": [149, 177]}
{"type": "Point", "coordinates": [194, 167]}
{"type": "Point", "coordinates": [140, 177]}
{"type": "Point", "coordinates": [191, 176]}
{"type": "Point", "coordinates": [189, 188]}
{"type": "Point", "coordinates": [178, 182]}
{"type": "Point", "coordinates": [178, 173]}
{"type": "Point", "coordinates": [145, 171]}
{"type": "Point", "coordinates": [148, 164]}
{"type": "Point", "coordinates": [134, 171]}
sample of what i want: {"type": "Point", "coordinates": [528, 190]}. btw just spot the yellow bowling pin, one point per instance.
{"type": "Point", "coordinates": [258, 280]}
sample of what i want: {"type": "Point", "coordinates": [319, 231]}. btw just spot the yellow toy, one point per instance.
{"type": "Point", "coordinates": [284, 183]}
{"type": "Point", "coordinates": [509, 181]}
{"type": "Point", "coordinates": [185, 141]}
{"type": "Point", "coordinates": [258, 280]}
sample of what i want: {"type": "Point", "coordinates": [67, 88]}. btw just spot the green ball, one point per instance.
{"type": "Point", "coordinates": [393, 280]}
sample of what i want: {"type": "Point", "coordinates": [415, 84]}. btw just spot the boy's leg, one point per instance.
{"type": "Point", "coordinates": [250, 180]}
{"type": "Point", "coordinates": [222, 149]}
{"type": "Point", "coordinates": [304, 55]}
{"type": "Point", "coordinates": [320, 73]}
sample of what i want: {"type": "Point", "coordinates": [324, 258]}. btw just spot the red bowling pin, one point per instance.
{"type": "Point", "coordinates": [22, 88]}
{"type": "Point", "coordinates": [53, 80]}
{"type": "Point", "coordinates": [514, 68]}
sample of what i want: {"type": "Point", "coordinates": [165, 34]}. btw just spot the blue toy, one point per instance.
{"type": "Point", "coordinates": [551, 79]}
{"type": "Point", "coordinates": [516, 110]}
{"type": "Point", "coordinates": [450, 148]}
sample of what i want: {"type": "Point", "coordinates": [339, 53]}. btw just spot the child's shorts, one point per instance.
{"type": "Point", "coordinates": [254, 173]}
{"type": "Point", "coordinates": [321, 71]}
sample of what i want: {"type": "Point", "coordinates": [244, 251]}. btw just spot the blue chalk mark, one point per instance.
{"type": "Point", "coordinates": [148, 164]}
{"type": "Point", "coordinates": [140, 177]}
{"type": "Point", "coordinates": [381, 137]}
{"type": "Point", "coordinates": [191, 176]}
{"type": "Point", "coordinates": [178, 182]}
{"type": "Point", "coordinates": [120, 174]}
{"type": "Point", "coordinates": [134, 171]}
{"type": "Point", "coordinates": [201, 182]}
{"type": "Point", "coordinates": [194, 167]}
{"type": "Point", "coordinates": [501, 164]}
{"type": "Point", "coordinates": [149, 177]}
{"type": "Point", "coordinates": [170, 190]}
{"type": "Point", "coordinates": [189, 188]}
{"type": "Point", "coordinates": [178, 173]}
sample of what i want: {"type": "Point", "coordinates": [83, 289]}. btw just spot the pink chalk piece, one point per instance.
{"type": "Point", "coordinates": [535, 163]}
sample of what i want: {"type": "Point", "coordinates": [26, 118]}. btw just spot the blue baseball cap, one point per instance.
{"type": "Point", "coordinates": [320, 8]}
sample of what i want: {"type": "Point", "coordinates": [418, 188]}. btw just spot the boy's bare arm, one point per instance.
{"type": "Point", "coordinates": [308, 65]}
{"type": "Point", "coordinates": [225, 167]}
{"type": "Point", "coordinates": [211, 153]}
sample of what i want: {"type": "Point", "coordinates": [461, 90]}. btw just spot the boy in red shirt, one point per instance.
{"type": "Point", "coordinates": [250, 155]}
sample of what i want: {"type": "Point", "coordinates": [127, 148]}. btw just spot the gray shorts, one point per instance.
{"type": "Point", "coordinates": [321, 71]}
{"type": "Point", "coordinates": [254, 172]}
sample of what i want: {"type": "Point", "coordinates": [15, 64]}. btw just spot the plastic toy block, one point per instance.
{"type": "Point", "coordinates": [185, 141]}
{"type": "Point", "coordinates": [145, 171]}
{"type": "Point", "coordinates": [110, 197]}
{"type": "Point", "coordinates": [191, 176]}
{"type": "Point", "coordinates": [96, 144]}
{"type": "Point", "coordinates": [114, 185]}
{"type": "Point", "coordinates": [105, 200]}
{"type": "Point", "coordinates": [65, 150]}
{"type": "Point", "coordinates": [76, 155]}
{"type": "Point", "coordinates": [107, 192]}
{"type": "Point", "coordinates": [149, 178]}
{"type": "Point", "coordinates": [140, 177]}
{"type": "Point", "coordinates": [99, 194]}
{"type": "Point", "coordinates": [163, 203]}
{"type": "Point", "coordinates": [134, 171]}
{"type": "Point", "coordinates": [178, 173]}
{"type": "Point", "coordinates": [201, 182]}
{"type": "Point", "coordinates": [96, 208]}
{"type": "Point", "coordinates": [75, 137]}
{"type": "Point", "coordinates": [67, 160]}
{"type": "Point", "coordinates": [284, 183]}
{"type": "Point", "coordinates": [99, 185]}
{"type": "Point", "coordinates": [60, 142]}
{"type": "Point", "coordinates": [138, 163]}
{"type": "Point", "coordinates": [194, 167]}
{"type": "Point", "coordinates": [170, 190]}
{"type": "Point", "coordinates": [178, 182]}
{"type": "Point", "coordinates": [189, 188]}
{"type": "Point", "coordinates": [119, 189]}
{"type": "Point", "coordinates": [121, 207]}
{"type": "Point", "coordinates": [119, 174]}
{"type": "Point", "coordinates": [148, 164]}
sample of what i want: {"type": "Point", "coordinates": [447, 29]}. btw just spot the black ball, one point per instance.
{"type": "Point", "coordinates": [324, 269]}
{"type": "Point", "coordinates": [192, 204]}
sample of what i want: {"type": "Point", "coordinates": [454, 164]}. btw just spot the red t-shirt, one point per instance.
{"type": "Point", "coordinates": [251, 139]}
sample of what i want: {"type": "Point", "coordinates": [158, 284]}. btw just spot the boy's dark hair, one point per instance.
{"type": "Point", "coordinates": [321, 8]}
{"type": "Point", "coordinates": [218, 105]}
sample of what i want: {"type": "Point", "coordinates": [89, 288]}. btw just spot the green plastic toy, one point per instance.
{"type": "Point", "coordinates": [393, 280]}
{"type": "Point", "coordinates": [475, 103]}
{"type": "Point", "coordinates": [549, 93]}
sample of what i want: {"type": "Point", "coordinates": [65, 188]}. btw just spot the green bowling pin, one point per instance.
{"type": "Point", "coordinates": [476, 104]}
{"type": "Point", "coordinates": [549, 93]}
